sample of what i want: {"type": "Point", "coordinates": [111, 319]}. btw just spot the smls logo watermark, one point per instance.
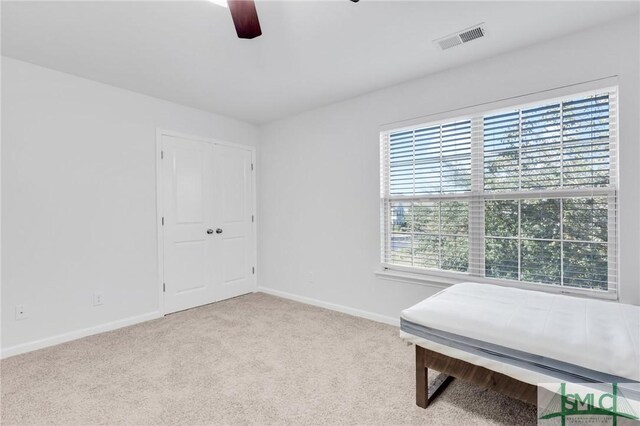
{"type": "Point", "coordinates": [594, 404]}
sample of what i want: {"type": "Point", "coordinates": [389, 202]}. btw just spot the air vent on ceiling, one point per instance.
{"type": "Point", "coordinates": [461, 37]}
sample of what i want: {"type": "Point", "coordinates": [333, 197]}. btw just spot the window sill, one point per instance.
{"type": "Point", "coordinates": [442, 280]}
{"type": "Point", "coordinates": [435, 281]}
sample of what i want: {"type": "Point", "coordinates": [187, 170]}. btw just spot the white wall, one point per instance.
{"type": "Point", "coordinates": [78, 201]}
{"type": "Point", "coordinates": [319, 171]}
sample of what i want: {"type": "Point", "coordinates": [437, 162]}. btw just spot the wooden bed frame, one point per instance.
{"type": "Point", "coordinates": [452, 367]}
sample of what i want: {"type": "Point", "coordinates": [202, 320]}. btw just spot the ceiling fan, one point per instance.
{"type": "Point", "coordinates": [245, 18]}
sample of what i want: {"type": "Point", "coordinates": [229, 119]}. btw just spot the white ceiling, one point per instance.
{"type": "Point", "coordinates": [311, 52]}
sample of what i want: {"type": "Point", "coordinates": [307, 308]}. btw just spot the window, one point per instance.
{"type": "Point", "coordinates": [526, 195]}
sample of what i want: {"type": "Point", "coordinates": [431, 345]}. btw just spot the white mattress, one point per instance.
{"type": "Point", "coordinates": [592, 334]}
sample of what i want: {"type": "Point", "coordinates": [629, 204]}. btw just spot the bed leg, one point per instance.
{"type": "Point", "coordinates": [422, 396]}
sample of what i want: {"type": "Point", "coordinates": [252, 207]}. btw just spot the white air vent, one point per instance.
{"type": "Point", "coordinates": [461, 37]}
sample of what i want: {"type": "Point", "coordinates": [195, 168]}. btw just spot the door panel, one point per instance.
{"type": "Point", "coordinates": [234, 189]}
{"type": "Point", "coordinates": [192, 256]}
{"type": "Point", "coordinates": [234, 177]}
{"type": "Point", "coordinates": [206, 187]}
{"type": "Point", "coordinates": [189, 181]}
{"type": "Point", "coordinates": [188, 249]}
{"type": "Point", "coordinates": [235, 267]}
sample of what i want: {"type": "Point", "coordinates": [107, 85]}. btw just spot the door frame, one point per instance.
{"type": "Point", "coordinates": [160, 204]}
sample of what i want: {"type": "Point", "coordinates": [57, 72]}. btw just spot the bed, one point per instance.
{"type": "Point", "coordinates": [511, 340]}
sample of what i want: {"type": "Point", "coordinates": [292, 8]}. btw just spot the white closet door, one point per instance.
{"type": "Point", "coordinates": [233, 215]}
{"type": "Point", "coordinates": [189, 251]}
{"type": "Point", "coordinates": [208, 232]}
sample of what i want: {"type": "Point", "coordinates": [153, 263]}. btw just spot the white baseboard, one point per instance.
{"type": "Point", "coordinates": [332, 306]}
{"type": "Point", "coordinates": [73, 335]}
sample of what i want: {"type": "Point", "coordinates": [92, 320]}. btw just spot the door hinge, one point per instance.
{"type": "Point", "coordinates": [161, 155]}
{"type": "Point", "coordinates": [163, 221]}
{"type": "Point", "coordinates": [253, 269]}
{"type": "Point", "coordinates": [251, 166]}
{"type": "Point", "coordinates": [164, 287]}
{"type": "Point", "coordinates": [252, 218]}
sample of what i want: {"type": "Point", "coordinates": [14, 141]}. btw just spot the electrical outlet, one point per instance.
{"type": "Point", "coordinates": [21, 312]}
{"type": "Point", "coordinates": [97, 299]}
{"type": "Point", "coordinates": [311, 279]}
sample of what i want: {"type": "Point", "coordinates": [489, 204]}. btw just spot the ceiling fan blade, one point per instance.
{"type": "Point", "coordinates": [245, 18]}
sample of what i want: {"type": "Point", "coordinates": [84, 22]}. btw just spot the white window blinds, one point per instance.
{"type": "Point", "coordinates": [523, 195]}
{"type": "Point", "coordinates": [431, 160]}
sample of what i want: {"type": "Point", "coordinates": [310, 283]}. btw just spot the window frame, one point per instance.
{"type": "Point", "coordinates": [477, 196]}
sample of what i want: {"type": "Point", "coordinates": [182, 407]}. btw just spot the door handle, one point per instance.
{"type": "Point", "coordinates": [218, 231]}
{"type": "Point", "coordinates": [209, 231]}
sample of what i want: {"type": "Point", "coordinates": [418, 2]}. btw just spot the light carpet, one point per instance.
{"type": "Point", "coordinates": [255, 359]}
